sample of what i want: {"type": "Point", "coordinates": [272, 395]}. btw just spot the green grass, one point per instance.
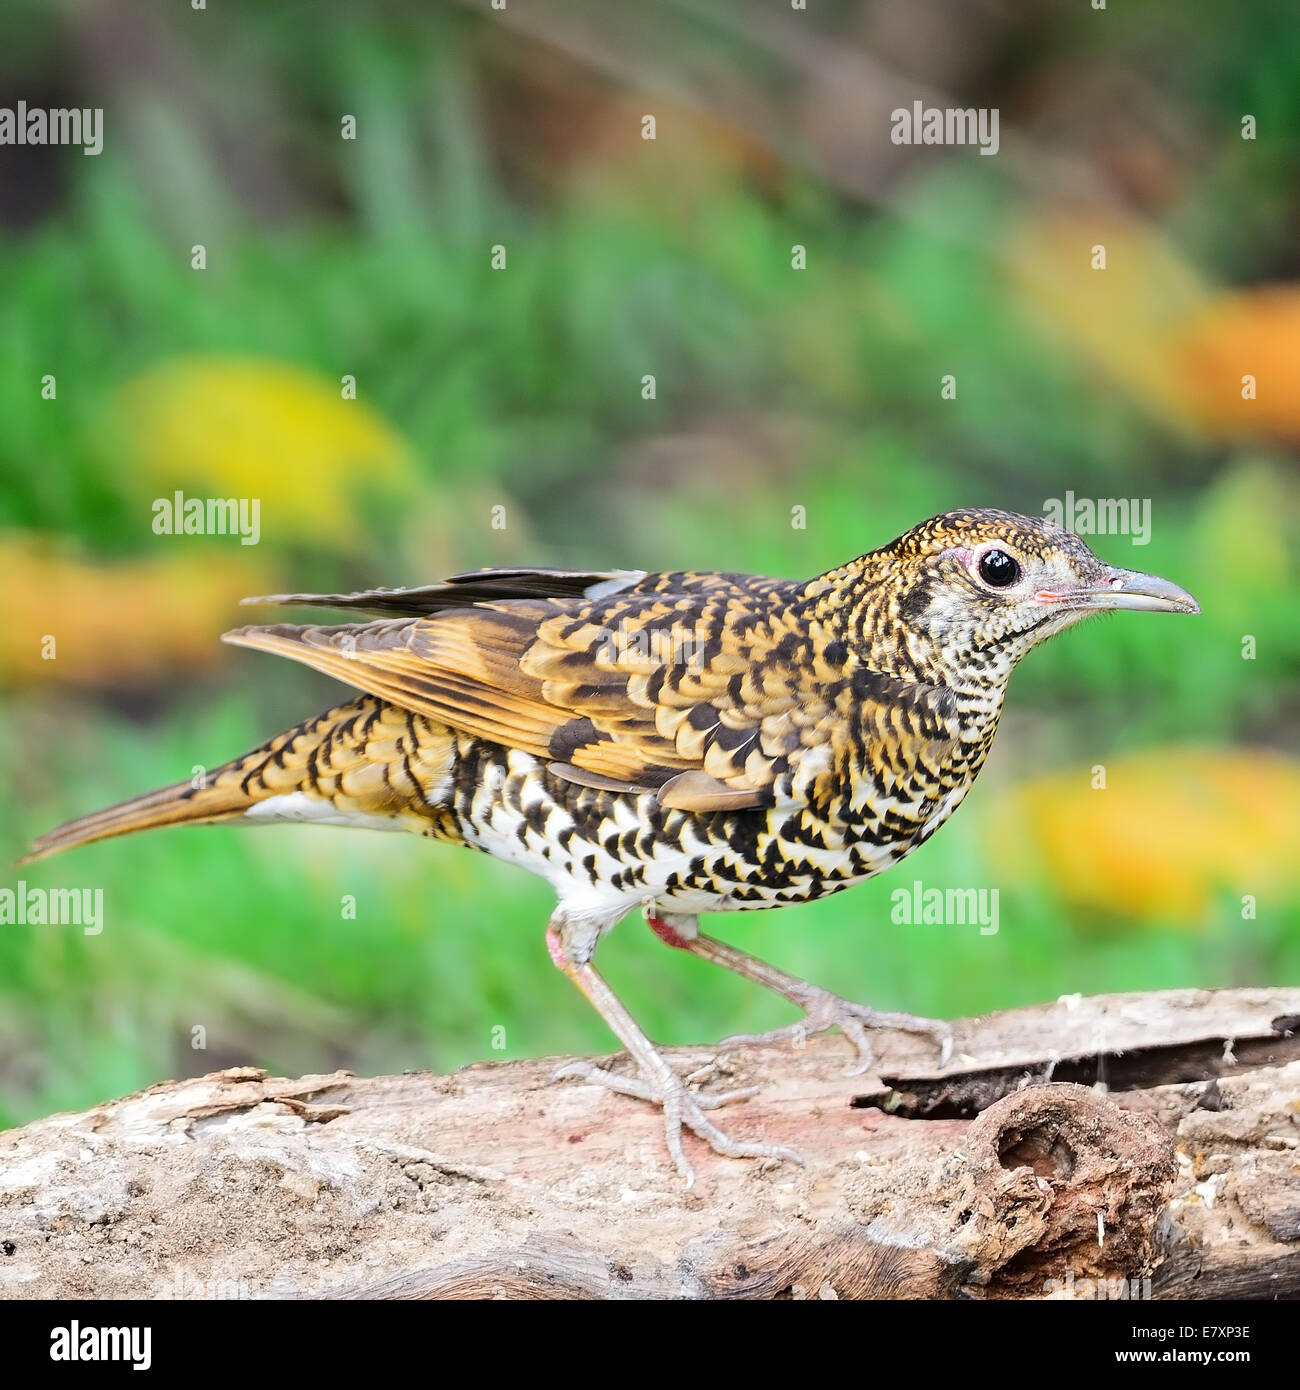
{"type": "Point", "coordinates": [776, 389]}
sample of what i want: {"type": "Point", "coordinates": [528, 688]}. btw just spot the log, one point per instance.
{"type": "Point", "coordinates": [1141, 1145]}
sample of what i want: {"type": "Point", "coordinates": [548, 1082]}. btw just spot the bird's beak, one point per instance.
{"type": "Point", "coordinates": [1143, 593]}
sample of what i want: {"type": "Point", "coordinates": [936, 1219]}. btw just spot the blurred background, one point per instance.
{"type": "Point", "coordinates": [480, 389]}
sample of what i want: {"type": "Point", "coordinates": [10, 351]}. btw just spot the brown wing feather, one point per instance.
{"type": "Point", "coordinates": [695, 695]}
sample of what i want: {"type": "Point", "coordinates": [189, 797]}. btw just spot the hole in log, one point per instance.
{"type": "Point", "coordinates": [1043, 1150]}
{"type": "Point", "coordinates": [964, 1095]}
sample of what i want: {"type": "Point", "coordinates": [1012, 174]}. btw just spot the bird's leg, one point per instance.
{"type": "Point", "coordinates": [822, 1010]}
{"type": "Point", "coordinates": [658, 1083]}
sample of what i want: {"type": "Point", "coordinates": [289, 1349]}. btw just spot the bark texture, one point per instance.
{"type": "Point", "coordinates": [1067, 1150]}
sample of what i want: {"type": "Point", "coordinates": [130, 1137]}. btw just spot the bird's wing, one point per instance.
{"type": "Point", "coordinates": [498, 585]}
{"type": "Point", "coordinates": [704, 697]}
{"type": "Point", "coordinates": [476, 586]}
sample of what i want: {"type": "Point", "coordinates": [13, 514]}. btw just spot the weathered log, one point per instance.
{"type": "Point", "coordinates": [1067, 1150]}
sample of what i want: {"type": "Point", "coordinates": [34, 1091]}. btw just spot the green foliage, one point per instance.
{"type": "Point", "coordinates": [776, 389]}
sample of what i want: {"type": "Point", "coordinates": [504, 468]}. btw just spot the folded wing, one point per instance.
{"type": "Point", "coordinates": [703, 696]}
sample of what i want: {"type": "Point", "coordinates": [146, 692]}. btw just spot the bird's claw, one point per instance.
{"type": "Point", "coordinates": [682, 1109]}
{"type": "Point", "coordinates": [823, 1010]}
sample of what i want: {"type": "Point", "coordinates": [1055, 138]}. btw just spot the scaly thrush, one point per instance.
{"type": "Point", "coordinates": [685, 743]}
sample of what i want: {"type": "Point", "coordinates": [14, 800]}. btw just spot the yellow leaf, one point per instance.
{"type": "Point", "coordinates": [76, 623]}
{"type": "Point", "coordinates": [1173, 829]}
{"type": "Point", "coordinates": [1118, 317]}
{"type": "Point", "coordinates": [1159, 329]}
{"type": "Point", "coordinates": [250, 428]}
{"type": "Point", "coordinates": [1252, 333]}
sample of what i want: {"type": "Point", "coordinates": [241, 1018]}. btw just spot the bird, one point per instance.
{"type": "Point", "coordinates": [681, 742]}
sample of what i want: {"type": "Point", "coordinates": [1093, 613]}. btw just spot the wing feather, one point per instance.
{"type": "Point", "coordinates": [475, 586]}
{"type": "Point", "coordinates": [699, 695]}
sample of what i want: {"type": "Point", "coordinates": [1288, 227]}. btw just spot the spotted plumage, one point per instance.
{"type": "Point", "coordinates": [683, 742]}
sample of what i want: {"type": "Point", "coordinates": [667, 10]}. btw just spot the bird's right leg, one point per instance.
{"type": "Point", "coordinates": [659, 1084]}
{"type": "Point", "coordinates": [822, 1009]}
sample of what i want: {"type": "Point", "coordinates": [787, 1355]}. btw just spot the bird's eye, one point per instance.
{"type": "Point", "coordinates": [998, 569]}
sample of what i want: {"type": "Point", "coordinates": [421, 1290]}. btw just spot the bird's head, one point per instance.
{"type": "Point", "coordinates": [970, 592]}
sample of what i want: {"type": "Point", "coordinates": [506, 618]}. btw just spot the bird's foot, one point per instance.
{"type": "Point", "coordinates": [683, 1109]}
{"type": "Point", "coordinates": [823, 1010]}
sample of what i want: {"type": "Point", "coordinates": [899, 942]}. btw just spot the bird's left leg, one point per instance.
{"type": "Point", "coordinates": [659, 1083]}
{"type": "Point", "coordinates": [822, 1009]}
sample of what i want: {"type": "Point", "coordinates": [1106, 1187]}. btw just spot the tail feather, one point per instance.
{"type": "Point", "coordinates": [181, 803]}
{"type": "Point", "coordinates": [365, 762]}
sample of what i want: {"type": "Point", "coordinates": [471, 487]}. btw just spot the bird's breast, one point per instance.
{"type": "Point", "coordinates": [838, 818]}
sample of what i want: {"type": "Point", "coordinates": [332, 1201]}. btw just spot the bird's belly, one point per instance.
{"type": "Point", "coordinates": [612, 851]}
{"type": "Point", "coordinates": [791, 856]}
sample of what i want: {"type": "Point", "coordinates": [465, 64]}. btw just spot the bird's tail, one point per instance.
{"type": "Point", "coordinates": [363, 763]}
{"type": "Point", "coordinates": [182, 803]}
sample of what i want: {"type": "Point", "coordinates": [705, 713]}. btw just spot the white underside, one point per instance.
{"type": "Point", "coordinates": [496, 826]}
{"type": "Point", "coordinates": [495, 829]}
{"type": "Point", "coordinates": [312, 810]}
